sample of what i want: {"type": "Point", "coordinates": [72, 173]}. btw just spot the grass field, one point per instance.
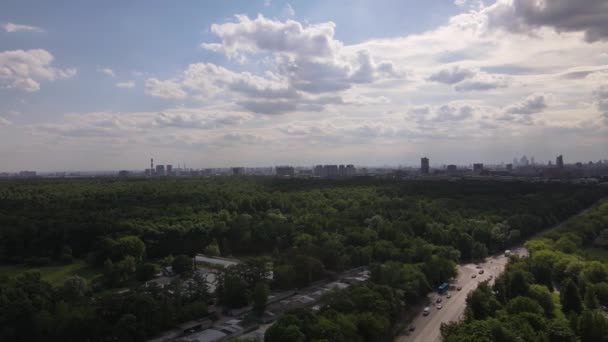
{"type": "Point", "coordinates": [53, 274]}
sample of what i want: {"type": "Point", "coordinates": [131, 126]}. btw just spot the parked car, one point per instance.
{"type": "Point", "coordinates": [438, 300]}
{"type": "Point", "coordinates": [480, 271]}
{"type": "Point", "coordinates": [449, 295]}
{"type": "Point", "coordinates": [439, 306]}
{"type": "Point", "coordinates": [458, 288]}
{"type": "Point", "coordinates": [474, 276]}
{"type": "Point", "coordinates": [478, 266]}
{"type": "Point", "coordinates": [411, 328]}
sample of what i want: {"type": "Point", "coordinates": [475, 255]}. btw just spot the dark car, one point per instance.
{"type": "Point", "coordinates": [411, 328]}
{"type": "Point", "coordinates": [438, 300]}
{"type": "Point", "coordinates": [474, 276]}
{"type": "Point", "coordinates": [480, 271]}
{"type": "Point", "coordinates": [458, 288]}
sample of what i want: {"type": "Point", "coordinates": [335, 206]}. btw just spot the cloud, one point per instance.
{"type": "Point", "coordinates": [262, 34]}
{"type": "Point", "coordinates": [532, 104]}
{"type": "Point", "coordinates": [126, 84]}
{"type": "Point", "coordinates": [481, 82]}
{"type": "Point", "coordinates": [11, 28]}
{"type": "Point", "coordinates": [588, 16]}
{"type": "Point", "coordinates": [107, 72]}
{"type": "Point", "coordinates": [4, 122]}
{"type": "Point", "coordinates": [308, 57]}
{"type": "Point", "coordinates": [288, 11]}
{"type": "Point", "coordinates": [451, 76]}
{"type": "Point", "coordinates": [450, 113]}
{"type": "Point", "coordinates": [25, 69]}
{"type": "Point", "coordinates": [601, 97]}
{"type": "Point", "coordinates": [420, 110]}
{"type": "Point", "coordinates": [164, 89]}
{"type": "Point", "coordinates": [191, 120]}
{"type": "Point", "coordinates": [444, 113]}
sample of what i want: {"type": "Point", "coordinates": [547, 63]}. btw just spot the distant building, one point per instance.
{"type": "Point", "coordinates": [451, 169]}
{"type": "Point", "coordinates": [160, 170]}
{"type": "Point", "coordinates": [319, 171]}
{"type": "Point", "coordinates": [559, 161]}
{"type": "Point", "coordinates": [332, 170]}
{"type": "Point", "coordinates": [477, 167]}
{"type": "Point", "coordinates": [27, 173]}
{"type": "Point", "coordinates": [424, 166]}
{"type": "Point", "coordinates": [350, 170]}
{"type": "Point", "coordinates": [238, 171]}
{"type": "Point", "coordinates": [285, 171]}
{"type": "Point", "coordinates": [123, 173]}
{"type": "Point", "coordinates": [169, 169]}
{"type": "Point", "coordinates": [509, 167]}
{"type": "Point", "coordinates": [342, 170]}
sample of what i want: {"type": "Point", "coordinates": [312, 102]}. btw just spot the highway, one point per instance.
{"type": "Point", "coordinates": [428, 327]}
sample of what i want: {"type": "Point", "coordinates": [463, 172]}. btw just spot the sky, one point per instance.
{"type": "Point", "coordinates": [108, 85]}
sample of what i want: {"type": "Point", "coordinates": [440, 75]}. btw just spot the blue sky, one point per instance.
{"type": "Point", "coordinates": [106, 85]}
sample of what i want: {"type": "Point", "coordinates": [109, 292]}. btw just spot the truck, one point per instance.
{"type": "Point", "coordinates": [508, 253]}
{"type": "Point", "coordinates": [441, 289]}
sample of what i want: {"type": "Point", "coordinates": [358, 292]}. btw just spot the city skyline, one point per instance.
{"type": "Point", "coordinates": [261, 83]}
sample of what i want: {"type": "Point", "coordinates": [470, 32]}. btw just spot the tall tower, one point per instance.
{"type": "Point", "coordinates": [424, 166]}
{"type": "Point", "coordinates": [151, 163]}
{"type": "Point", "coordinates": [559, 161]}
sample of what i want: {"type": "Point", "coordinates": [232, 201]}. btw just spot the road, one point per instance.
{"type": "Point", "coordinates": [428, 327]}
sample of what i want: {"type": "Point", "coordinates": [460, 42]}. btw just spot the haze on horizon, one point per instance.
{"type": "Point", "coordinates": [109, 85]}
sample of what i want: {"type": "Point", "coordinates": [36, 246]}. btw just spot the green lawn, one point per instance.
{"type": "Point", "coordinates": [53, 274]}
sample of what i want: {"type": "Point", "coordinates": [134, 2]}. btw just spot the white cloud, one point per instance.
{"type": "Point", "coordinates": [126, 84]}
{"type": "Point", "coordinates": [4, 122]}
{"type": "Point", "coordinates": [107, 71]}
{"type": "Point", "coordinates": [11, 28]}
{"type": "Point", "coordinates": [25, 69]}
{"type": "Point", "coordinates": [165, 89]}
{"type": "Point", "coordinates": [288, 11]}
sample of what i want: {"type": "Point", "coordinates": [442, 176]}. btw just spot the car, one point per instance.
{"type": "Point", "coordinates": [411, 328]}
{"type": "Point", "coordinates": [474, 276]}
{"type": "Point", "coordinates": [438, 300]}
{"type": "Point", "coordinates": [458, 288]}
{"type": "Point", "coordinates": [449, 295]}
{"type": "Point", "coordinates": [439, 306]}
{"type": "Point", "coordinates": [478, 266]}
{"type": "Point", "coordinates": [426, 311]}
{"type": "Point", "coordinates": [490, 277]}
{"type": "Point", "coordinates": [480, 271]}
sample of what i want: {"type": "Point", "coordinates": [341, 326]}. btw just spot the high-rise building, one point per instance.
{"type": "Point", "coordinates": [424, 166]}
{"type": "Point", "coordinates": [331, 170]}
{"type": "Point", "coordinates": [160, 170]}
{"type": "Point", "coordinates": [451, 169]}
{"type": "Point", "coordinates": [478, 167]}
{"type": "Point", "coordinates": [319, 171]}
{"type": "Point", "coordinates": [237, 171]}
{"type": "Point", "coordinates": [342, 170]}
{"type": "Point", "coordinates": [169, 169]}
{"type": "Point", "coordinates": [350, 170]}
{"type": "Point", "coordinates": [285, 171]}
{"type": "Point", "coordinates": [509, 167]}
{"type": "Point", "coordinates": [559, 161]}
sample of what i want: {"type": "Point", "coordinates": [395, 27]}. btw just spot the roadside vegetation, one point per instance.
{"type": "Point", "coordinates": [559, 293]}
{"type": "Point", "coordinates": [411, 235]}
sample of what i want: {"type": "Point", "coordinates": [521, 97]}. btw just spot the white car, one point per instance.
{"type": "Point", "coordinates": [439, 306]}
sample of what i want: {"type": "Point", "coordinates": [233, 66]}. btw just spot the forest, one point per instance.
{"type": "Point", "coordinates": [559, 293]}
{"type": "Point", "coordinates": [410, 233]}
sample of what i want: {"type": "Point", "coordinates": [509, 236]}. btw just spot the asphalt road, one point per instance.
{"type": "Point", "coordinates": [427, 327]}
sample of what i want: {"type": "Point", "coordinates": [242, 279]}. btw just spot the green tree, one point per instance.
{"type": "Point", "coordinates": [593, 326]}
{"type": "Point", "coordinates": [130, 246]}
{"type": "Point", "coordinates": [260, 298]}
{"type": "Point", "coordinates": [182, 264]}
{"type": "Point", "coordinates": [542, 295]}
{"type": "Point", "coordinates": [570, 297]}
